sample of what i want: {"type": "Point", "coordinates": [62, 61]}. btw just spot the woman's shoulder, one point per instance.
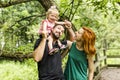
{"type": "Point", "coordinates": [70, 44]}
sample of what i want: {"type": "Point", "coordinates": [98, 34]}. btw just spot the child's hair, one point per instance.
{"type": "Point", "coordinates": [52, 9]}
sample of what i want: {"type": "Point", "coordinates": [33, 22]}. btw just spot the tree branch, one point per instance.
{"type": "Point", "coordinates": [16, 56]}
{"type": "Point", "coordinates": [25, 18]}
{"type": "Point", "coordinates": [14, 2]}
{"type": "Point", "coordinates": [75, 10]}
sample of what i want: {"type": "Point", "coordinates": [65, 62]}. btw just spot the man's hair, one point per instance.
{"type": "Point", "coordinates": [57, 25]}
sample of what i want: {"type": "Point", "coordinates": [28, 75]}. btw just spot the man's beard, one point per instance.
{"type": "Point", "coordinates": [54, 36]}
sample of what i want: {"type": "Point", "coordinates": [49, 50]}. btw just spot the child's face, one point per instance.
{"type": "Point", "coordinates": [53, 16]}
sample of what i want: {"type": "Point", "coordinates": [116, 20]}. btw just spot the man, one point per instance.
{"type": "Point", "coordinates": [49, 66]}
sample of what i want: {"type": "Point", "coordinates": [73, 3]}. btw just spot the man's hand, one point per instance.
{"type": "Point", "coordinates": [44, 34]}
{"type": "Point", "coordinates": [50, 39]}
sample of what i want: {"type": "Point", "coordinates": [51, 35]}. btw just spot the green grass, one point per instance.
{"type": "Point", "coordinates": [10, 70]}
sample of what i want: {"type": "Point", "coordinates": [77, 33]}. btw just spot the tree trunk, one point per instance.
{"type": "Point", "coordinates": [47, 3]}
{"type": "Point", "coordinates": [17, 56]}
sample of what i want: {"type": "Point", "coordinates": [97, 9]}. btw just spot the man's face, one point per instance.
{"type": "Point", "coordinates": [57, 31]}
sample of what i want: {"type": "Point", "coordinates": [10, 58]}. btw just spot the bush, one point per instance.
{"type": "Point", "coordinates": [10, 70]}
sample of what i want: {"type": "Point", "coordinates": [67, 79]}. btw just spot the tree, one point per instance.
{"type": "Point", "coordinates": [18, 27]}
{"type": "Point", "coordinates": [20, 19]}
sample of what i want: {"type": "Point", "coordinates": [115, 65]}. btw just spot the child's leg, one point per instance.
{"type": "Point", "coordinates": [61, 45]}
{"type": "Point", "coordinates": [51, 49]}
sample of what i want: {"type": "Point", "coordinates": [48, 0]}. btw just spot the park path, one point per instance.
{"type": "Point", "coordinates": [110, 74]}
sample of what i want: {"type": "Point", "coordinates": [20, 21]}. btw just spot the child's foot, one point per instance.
{"type": "Point", "coordinates": [53, 51]}
{"type": "Point", "coordinates": [62, 47]}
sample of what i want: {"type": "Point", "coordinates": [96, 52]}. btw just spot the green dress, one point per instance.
{"type": "Point", "coordinates": [77, 64]}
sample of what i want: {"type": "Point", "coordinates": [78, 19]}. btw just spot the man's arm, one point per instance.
{"type": "Point", "coordinates": [39, 51]}
{"type": "Point", "coordinates": [44, 26]}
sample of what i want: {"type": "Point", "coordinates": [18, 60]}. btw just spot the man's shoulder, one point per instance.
{"type": "Point", "coordinates": [37, 42]}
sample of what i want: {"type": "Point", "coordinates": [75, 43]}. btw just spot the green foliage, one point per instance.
{"type": "Point", "coordinates": [64, 61]}
{"type": "Point", "coordinates": [25, 48]}
{"type": "Point", "coordinates": [16, 25]}
{"type": "Point", "coordinates": [113, 61]}
{"type": "Point", "coordinates": [10, 70]}
{"type": "Point", "coordinates": [103, 16]}
{"type": "Point", "coordinates": [19, 23]}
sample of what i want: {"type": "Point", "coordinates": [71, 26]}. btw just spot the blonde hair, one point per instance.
{"type": "Point", "coordinates": [52, 9]}
{"type": "Point", "coordinates": [89, 41]}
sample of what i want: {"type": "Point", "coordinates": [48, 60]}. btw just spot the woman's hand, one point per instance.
{"type": "Point", "coordinates": [68, 24]}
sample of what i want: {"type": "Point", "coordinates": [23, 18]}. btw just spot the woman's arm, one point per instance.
{"type": "Point", "coordinates": [69, 44]}
{"type": "Point", "coordinates": [68, 25]}
{"type": "Point", "coordinates": [90, 67]}
{"type": "Point", "coordinates": [71, 34]}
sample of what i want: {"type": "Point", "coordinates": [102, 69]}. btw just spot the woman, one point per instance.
{"type": "Point", "coordinates": [81, 56]}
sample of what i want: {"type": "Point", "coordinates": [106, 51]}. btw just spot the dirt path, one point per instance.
{"type": "Point", "coordinates": [110, 74]}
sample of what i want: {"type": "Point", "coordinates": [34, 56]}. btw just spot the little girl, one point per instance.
{"type": "Point", "coordinates": [52, 17]}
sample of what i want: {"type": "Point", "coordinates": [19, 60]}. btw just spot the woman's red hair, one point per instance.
{"type": "Point", "coordinates": [89, 41]}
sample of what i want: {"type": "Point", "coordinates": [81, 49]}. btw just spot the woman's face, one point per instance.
{"type": "Point", "coordinates": [78, 34]}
